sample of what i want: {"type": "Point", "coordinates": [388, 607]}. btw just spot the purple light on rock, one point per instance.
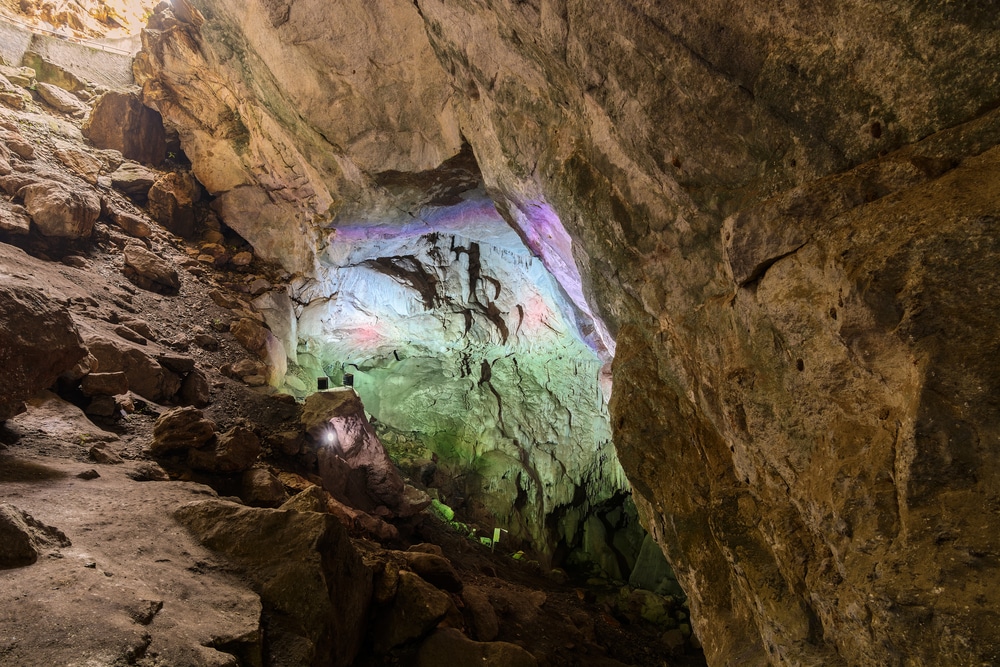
{"type": "Point", "coordinates": [546, 237]}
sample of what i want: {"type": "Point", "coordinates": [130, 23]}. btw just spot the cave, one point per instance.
{"type": "Point", "coordinates": [509, 332]}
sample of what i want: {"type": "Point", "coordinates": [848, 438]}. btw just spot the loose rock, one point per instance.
{"type": "Point", "coordinates": [61, 100]}
{"type": "Point", "coordinates": [149, 271]}
{"type": "Point", "coordinates": [181, 428]}
{"type": "Point", "coordinates": [260, 488]}
{"type": "Point", "coordinates": [235, 450]}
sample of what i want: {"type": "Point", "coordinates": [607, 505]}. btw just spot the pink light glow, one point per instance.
{"type": "Point", "coordinates": [366, 337]}
{"type": "Point", "coordinates": [537, 315]}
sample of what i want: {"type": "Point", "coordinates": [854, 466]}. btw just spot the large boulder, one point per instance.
{"type": "Point", "coordinates": [353, 463]}
{"type": "Point", "coordinates": [415, 610]}
{"type": "Point", "coordinates": [38, 342]}
{"type": "Point", "coordinates": [120, 121]}
{"type": "Point", "coordinates": [312, 582]}
{"type": "Point", "coordinates": [81, 163]}
{"type": "Point", "coordinates": [55, 418]}
{"type": "Point", "coordinates": [59, 210]}
{"type": "Point", "coordinates": [179, 429]}
{"type": "Point", "coordinates": [146, 376]}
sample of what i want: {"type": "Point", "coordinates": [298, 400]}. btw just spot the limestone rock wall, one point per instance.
{"type": "Point", "coordinates": [461, 342]}
{"type": "Point", "coordinates": [785, 214]}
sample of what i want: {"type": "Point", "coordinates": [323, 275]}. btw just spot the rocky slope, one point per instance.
{"type": "Point", "coordinates": [784, 214]}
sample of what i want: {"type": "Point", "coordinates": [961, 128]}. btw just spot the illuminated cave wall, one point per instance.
{"type": "Point", "coordinates": [462, 343]}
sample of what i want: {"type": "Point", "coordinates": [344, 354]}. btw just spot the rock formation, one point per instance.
{"type": "Point", "coordinates": [785, 215]}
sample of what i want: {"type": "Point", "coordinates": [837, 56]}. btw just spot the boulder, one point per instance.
{"type": "Point", "coordinates": [434, 569]}
{"type": "Point", "coordinates": [353, 463]}
{"type": "Point", "coordinates": [288, 443]}
{"type": "Point", "coordinates": [149, 271]}
{"type": "Point", "coordinates": [448, 646]}
{"type": "Point", "coordinates": [18, 144]}
{"type": "Point", "coordinates": [235, 450]}
{"type": "Point", "coordinates": [149, 471]}
{"type": "Point", "coordinates": [171, 202]}
{"type": "Point", "coordinates": [312, 499]}
{"type": "Point", "coordinates": [19, 76]}
{"type": "Point", "coordinates": [120, 121]}
{"type": "Point", "coordinates": [146, 377]}
{"type": "Point", "coordinates": [55, 418]}
{"type": "Point", "coordinates": [82, 164]}
{"type": "Point", "coordinates": [102, 453]}
{"type": "Point", "coordinates": [179, 364]}
{"type": "Point", "coordinates": [23, 538]}
{"type": "Point", "coordinates": [485, 625]}
{"type": "Point", "coordinates": [104, 384]}
{"type": "Point", "coordinates": [142, 328]}
{"type": "Point", "coordinates": [60, 100]}
{"type": "Point", "coordinates": [131, 223]}
{"type": "Point", "coordinates": [195, 390]}
{"type": "Point", "coordinates": [416, 610]}
{"type": "Point", "coordinates": [38, 342]}
{"type": "Point", "coordinates": [313, 584]}
{"type": "Point", "coordinates": [260, 488]}
{"type": "Point", "coordinates": [241, 259]}
{"type": "Point", "coordinates": [224, 299]}
{"type": "Point", "coordinates": [59, 210]}
{"type": "Point", "coordinates": [181, 428]}
{"type": "Point", "coordinates": [134, 180]}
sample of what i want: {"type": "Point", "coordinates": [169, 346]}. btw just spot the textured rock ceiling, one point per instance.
{"type": "Point", "coordinates": [785, 214]}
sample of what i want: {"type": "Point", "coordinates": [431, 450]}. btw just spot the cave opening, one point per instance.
{"type": "Point", "coordinates": [481, 365]}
